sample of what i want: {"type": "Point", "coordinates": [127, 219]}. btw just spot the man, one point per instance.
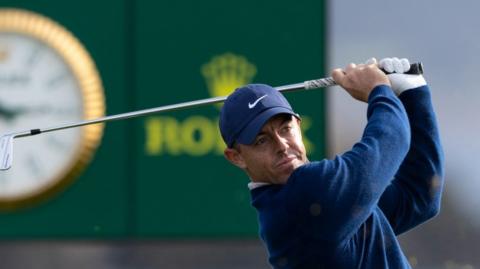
{"type": "Point", "coordinates": [345, 212]}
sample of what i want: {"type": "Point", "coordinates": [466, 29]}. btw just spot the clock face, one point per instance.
{"type": "Point", "coordinates": [37, 89]}
{"type": "Point", "coordinates": [47, 79]}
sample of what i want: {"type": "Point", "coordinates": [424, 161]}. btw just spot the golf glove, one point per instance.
{"type": "Point", "coordinates": [401, 82]}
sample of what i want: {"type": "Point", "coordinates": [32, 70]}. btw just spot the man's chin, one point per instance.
{"type": "Point", "coordinates": [285, 174]}
{"type": "Point", "coordinates": [284, 171]}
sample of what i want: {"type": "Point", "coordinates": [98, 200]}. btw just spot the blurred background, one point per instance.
{"type": "Point", "coordinates": [155, 192]}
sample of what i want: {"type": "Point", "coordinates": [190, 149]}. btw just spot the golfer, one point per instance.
{"type": "Point", "coordinates": [345, 212]}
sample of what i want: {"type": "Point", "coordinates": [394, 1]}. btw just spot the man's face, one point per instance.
{"type": "Point", "coordinates": [276, 152]}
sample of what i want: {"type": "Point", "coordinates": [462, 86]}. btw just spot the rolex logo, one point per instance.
{"type": "Point", "coordinates": [226, 72]}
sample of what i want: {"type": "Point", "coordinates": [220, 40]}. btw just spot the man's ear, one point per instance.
{"type": "Point", "coordinates": [234, 156]}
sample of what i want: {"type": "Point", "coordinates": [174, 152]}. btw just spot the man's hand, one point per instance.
{"type": "Point", "coordinates": [401, 82]}
{"type": "Point", "coordinates": [360, 80]}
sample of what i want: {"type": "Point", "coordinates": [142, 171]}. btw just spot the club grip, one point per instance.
{"type": "Point", "coordinates": [415, 69]}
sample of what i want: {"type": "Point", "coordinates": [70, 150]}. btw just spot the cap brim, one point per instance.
{"type": "Point", "coordinates": [247, 136]}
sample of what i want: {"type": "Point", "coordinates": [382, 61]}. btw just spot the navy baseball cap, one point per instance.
{"type": "Point", "coordinates": [247, 109]}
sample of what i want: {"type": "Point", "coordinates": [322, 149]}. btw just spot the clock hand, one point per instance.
{"type": "Point", "coordinates": [10, 114]}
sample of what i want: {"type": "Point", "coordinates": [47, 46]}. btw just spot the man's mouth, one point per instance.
{"type": "Point", "coordinates": [286, 161]}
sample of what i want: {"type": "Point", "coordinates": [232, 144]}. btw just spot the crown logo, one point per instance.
{"type": "Point", "coordinates": [226, 72]}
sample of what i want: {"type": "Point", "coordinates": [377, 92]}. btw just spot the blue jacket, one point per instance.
{"type": "Point", "coordinates": [346, 212]}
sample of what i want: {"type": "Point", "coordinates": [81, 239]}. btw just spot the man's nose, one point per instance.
{"type": "Point", "coordinates": [281, 143]}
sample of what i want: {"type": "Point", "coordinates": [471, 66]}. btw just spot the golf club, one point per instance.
{"type": "Point", "coordinates": [6, 141]}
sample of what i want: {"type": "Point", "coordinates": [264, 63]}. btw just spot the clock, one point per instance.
{"type": "Point", "coordinates": [47, 78]}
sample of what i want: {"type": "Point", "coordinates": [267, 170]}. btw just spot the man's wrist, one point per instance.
{"type": "Point", "coordinates": [382, 89]}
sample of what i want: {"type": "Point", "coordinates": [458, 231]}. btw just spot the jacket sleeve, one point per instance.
{"type": "Point", "coordinates": [415, 193]}
{"type": "Point", "coordinates": [331, 199]}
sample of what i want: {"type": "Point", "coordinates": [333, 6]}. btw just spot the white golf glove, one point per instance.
{"type": "Point", "coordinates": [401, 82]}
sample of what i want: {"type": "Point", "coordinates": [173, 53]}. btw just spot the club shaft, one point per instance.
{"type": "Point", "coordinates": [311, 84]}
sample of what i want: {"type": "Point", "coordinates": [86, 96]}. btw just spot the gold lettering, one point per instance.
{"type": "Point", "coordinates": [172, 131]}
{"type": "Point", "coordinates": [162, 136]}
{"type": "Point", "coordinates": [198, 135]}
{"type": "Point", "coordinates": [153, 139]}
{"type": "Point", "coordinates": [195, 136]}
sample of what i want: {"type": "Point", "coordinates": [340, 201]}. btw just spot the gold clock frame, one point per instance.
{"type": "Point", "coordinates": [76, 57]}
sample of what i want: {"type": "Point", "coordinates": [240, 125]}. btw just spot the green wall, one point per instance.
{"type": "Point", "coordinates": [164, 175]}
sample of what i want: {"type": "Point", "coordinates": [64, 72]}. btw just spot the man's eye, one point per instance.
{"type": "Point", "coordinates": [287, 128]}
{"type": "Point", "coordinates": [260, 141]}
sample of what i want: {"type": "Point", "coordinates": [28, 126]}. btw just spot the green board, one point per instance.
{"type": "Point", "coordinates": [164, 176]}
